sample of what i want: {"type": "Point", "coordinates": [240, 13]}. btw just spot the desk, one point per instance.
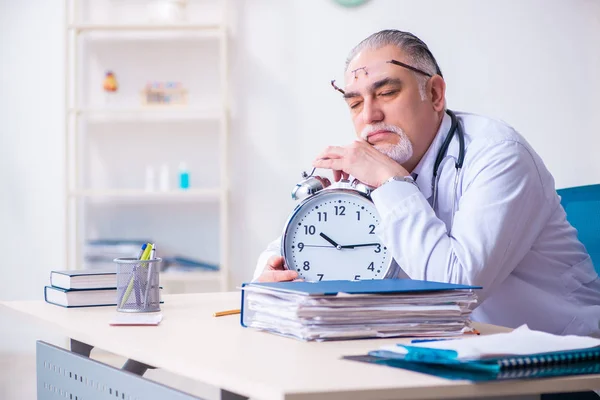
{"type": "Point", "coordinates": [219, 352]}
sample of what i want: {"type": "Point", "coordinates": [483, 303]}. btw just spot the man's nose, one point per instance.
{"type": "Point", "coordinates": [371, 112]}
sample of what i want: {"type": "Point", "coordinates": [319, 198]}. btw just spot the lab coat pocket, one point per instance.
{"type": "Point", "coordinates": [578, 275]}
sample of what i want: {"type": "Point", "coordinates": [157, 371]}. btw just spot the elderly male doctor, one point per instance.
{"type": "Point", "coordinates": [497, 222]}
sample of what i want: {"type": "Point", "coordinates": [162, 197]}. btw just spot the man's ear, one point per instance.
{"type": "Point", "coordinates": [436, 88]}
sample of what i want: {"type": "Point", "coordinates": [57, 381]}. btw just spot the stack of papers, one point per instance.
{"type": "Point", "coordinates": [331, 310]}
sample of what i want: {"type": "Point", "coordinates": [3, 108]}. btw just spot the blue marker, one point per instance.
{"type": "Point", "coordinates": [136, 277]}
{"type": "Point", "coordinates": [427, 340]}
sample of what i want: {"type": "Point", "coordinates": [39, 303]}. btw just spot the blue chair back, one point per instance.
{"type": "Point", "coordinates": [582, 205]}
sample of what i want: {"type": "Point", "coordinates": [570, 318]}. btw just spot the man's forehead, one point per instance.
{"type": "Point", "coordinates": [373, 61]}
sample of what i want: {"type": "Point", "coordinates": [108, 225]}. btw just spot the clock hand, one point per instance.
{"type": "Point", "coordinates": [351, 246]}
{"type": "Point", "coordinates": [324, 236]}
{"type": "Point", "coordinates": [316, 245]}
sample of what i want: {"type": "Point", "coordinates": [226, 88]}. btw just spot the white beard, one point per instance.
{"type": "Point", "coordinates": [400, 152]}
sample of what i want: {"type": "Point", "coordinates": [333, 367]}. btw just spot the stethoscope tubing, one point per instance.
{"type": "Point", "coordinates": [455, 128]}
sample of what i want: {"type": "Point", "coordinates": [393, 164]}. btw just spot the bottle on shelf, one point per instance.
{"type": "Point", "coordinates": [164, 178]}
{"type": "Point", "coordinates": [149, 182]}
{"type": "Point", "coordinates": [184, 177]}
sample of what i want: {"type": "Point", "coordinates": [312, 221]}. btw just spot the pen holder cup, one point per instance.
{"type": "Point", "coordinates": [138, 285]}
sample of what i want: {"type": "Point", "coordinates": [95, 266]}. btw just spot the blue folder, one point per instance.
{"type": "Point", "coordinates": [448, 358]}
{"type": "Point", "coordinates": [475, 375]}
{"type": "Point", "coordinates": [375, 286]}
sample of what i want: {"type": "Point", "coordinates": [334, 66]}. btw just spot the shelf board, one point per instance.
{"type": "Point", "coordinates": [150, 112]}
{"type": "Point", "coordinates": [189, 276]}
{"type": "Point", "coordinates": [209, 28]}
{"type": "Point", "coordinates": [138, 195]}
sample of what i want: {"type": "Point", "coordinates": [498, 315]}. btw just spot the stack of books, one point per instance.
{"type": "Point", "coordinates": [85, 288]}
{"type": "Point", "coordinates": [186, 264]}
{"type": "Point", "coordinates": [329, 310]}
{"type": "Point", "coordinates": [99, 254]}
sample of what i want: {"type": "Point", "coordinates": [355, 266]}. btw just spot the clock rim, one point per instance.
{"type": "Point", "coordinates": [389, 267]}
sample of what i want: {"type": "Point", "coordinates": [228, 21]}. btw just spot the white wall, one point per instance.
{"type": "Point", "coordinates": [533, 63]}
{"type": "Point", "coordinates": [31, 145]}
{"type": "Point", "coordinates": [31, 170]}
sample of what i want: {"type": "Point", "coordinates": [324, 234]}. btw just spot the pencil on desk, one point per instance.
{"type": "Point", "coordinates": [228, 312]}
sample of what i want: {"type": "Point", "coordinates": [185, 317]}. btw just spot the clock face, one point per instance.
{"type": "Point", "coordinates": [332, 236]}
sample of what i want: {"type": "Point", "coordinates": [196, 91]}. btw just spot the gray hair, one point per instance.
{"type": "Point", "coordinates": [417, 51]}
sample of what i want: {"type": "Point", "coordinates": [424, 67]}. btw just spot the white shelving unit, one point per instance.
{"type": "Point", "coordinates": [212, 30]}
{"type": "Point", "coordinates": [83, 109]}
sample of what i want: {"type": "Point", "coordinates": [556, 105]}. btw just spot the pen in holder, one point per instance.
{"type": "Point", "coordinates": [138, 285]}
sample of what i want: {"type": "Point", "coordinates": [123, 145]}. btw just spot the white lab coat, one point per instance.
{"type": "Point", "coordinates": [509, 235]}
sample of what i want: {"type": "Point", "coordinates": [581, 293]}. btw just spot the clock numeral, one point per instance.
{"type": "Point", "coordinates": [358, 215]}
{"type": "Point", "coordinates": [306, 266]}
{"type": "Point", "coordinates": [322, 215]}
{"type": "Point", "coordinates": [371, 267]}
{"type": "Point", "coordinates": [340, 210]}
{"type": "Point", "coordinates": [300, 246]}
{"type": "Point", "coordinates": [378, 249]}
{"type": "Point", "coordinates": [372, 231]}
{"type": "Point", "coordinates": [357, 277]}
{"type": "Point", "coordinates": [309, 230]}
{"type": "Point", "coordinates": [320, 276]}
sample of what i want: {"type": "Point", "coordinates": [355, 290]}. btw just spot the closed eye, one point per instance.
{"type": "Point", "coordinates": [388, 93]}
{"type": "Point", "coordinates": [355, 105]}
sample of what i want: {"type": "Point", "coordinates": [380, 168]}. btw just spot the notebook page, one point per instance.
{"type": "Point", "coordinates": [136, 319]}
{"type": "Point", "coordinates": [521, 341]}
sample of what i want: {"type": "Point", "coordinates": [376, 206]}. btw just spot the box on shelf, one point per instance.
{"type": "Point", "coordinates": [164, 94]}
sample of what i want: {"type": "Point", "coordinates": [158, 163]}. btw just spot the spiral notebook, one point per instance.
{"type": "Point", "coordinates": [450, 372]}
{"type": "Point", "coordinates": [522, 353]}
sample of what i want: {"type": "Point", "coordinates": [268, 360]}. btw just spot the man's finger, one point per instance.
{"type": "Point", "coordinates": [275, 263]}
{"type": "Point", "coordinates": [332, 152]}
{"type": "Point", "coordinates": [337, 175]}
{"type": "Point", "coordinates": [335, 164]}
{"type": "Point", "coordinates": [278, 276]}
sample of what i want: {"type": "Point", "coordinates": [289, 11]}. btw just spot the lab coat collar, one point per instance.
{"type": "Point", "coordinates": [424, 169]}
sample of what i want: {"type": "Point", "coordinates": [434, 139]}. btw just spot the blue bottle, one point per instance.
{"type": "Point", "coordinates": [184, 177]}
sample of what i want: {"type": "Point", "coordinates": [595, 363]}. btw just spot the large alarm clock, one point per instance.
{"type": "Point", "coordinates": [332, 233]}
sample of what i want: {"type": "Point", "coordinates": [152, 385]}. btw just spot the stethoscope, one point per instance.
{"type": "Point", "coordinates": [455, 128]}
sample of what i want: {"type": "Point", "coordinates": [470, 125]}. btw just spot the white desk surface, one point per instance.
{"type": "Point", "coordinates": [218, 351]}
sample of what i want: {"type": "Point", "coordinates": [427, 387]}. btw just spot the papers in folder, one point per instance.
{"type": "Point", "coordinates": [358, 309]}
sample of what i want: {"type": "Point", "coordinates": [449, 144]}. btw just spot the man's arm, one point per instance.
{"type": "Point", "coordinates": [503, 208]}
{"type": "Point", "coordinates": [273, 249]}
